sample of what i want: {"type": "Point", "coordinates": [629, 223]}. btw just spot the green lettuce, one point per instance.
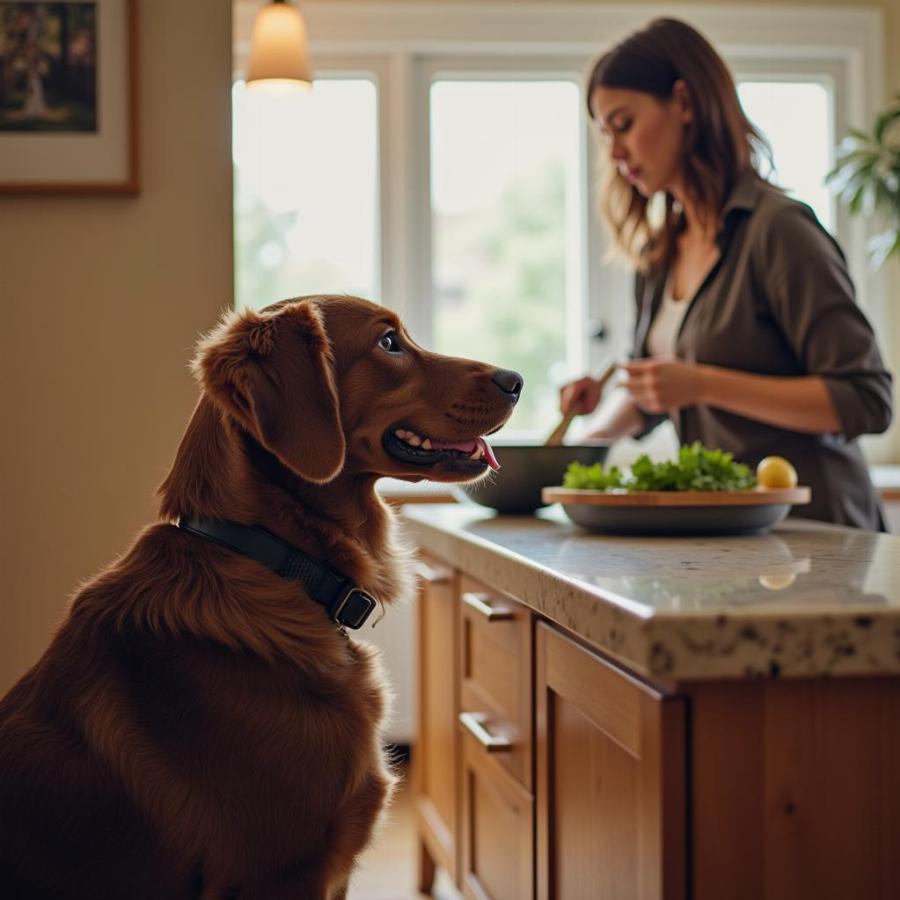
{"type": "Point", "coordinates": [696, 469]}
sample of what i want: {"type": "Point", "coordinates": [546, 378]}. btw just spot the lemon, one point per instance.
{"type": "Point", "coordinates": [777, 582]}
{"type": "Point", "coordinates": [776, 472]}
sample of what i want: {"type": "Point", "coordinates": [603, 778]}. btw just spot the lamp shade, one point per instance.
{"type": "Point", "coordinates": [278, 49]}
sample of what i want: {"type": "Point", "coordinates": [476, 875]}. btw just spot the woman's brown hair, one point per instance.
{"type": "Point", "coordinates": [721, 143]}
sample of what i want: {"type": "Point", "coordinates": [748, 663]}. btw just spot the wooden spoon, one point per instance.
{"type": "Point", "coordinates": [558, 433]}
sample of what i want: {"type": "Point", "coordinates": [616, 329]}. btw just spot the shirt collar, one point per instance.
{"type": "Point", "coordinates": [745, 194]}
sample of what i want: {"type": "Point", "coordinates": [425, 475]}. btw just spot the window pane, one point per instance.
{"type": "Point", "coordinates": [505, 236]}
{"type": "Point", "coordinates": [796, 118]}
{"type": "Point", "coordinates": [306, 191]}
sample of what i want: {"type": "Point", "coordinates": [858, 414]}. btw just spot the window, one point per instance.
{"type": "Point", "coordinates": [504, 176]}
{"type": "Point", "coordinates": [306, 191]}
{"type": "Point", "coordinates": [796, 117]}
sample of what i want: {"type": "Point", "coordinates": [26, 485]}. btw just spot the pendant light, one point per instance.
{"type": "Point", "coordinates": [279, 55]}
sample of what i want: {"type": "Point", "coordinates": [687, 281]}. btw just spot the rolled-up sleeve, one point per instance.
{"type": "Point", "coordinates": [812, 298]}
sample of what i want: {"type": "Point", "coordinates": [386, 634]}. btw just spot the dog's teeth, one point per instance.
{"type": "Point", "coordinates": [414, 439]}
{"type": "Point", "coordinates": [401, 434]}
{"type": "Point", "coordinates": [426, 444]}
{"type": "Point", "coordinates": [477, 453]}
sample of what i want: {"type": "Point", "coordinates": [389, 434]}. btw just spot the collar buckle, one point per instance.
{"type": "Point", "coordinates": [352, 607]}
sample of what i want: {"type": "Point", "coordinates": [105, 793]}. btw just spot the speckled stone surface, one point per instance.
{"type": "Point", "coordinates": [803, 600]}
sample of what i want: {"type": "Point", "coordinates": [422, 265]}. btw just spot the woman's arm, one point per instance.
{"type": "Point", "coordinates": [811, 298]}
{"type": "Point", "coordinates": [795, 404]}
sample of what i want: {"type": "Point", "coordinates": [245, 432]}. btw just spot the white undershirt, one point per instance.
{"type": "Point", "coordinates": [666, 323]}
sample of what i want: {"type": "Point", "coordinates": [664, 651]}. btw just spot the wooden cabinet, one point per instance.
{"type": "Point", "coordinates": [610, 780]}
{"type": "Point", "coordinates": [437, 757]}
{"type": "Point", "coordinates": [542, 770]}
{"type": "Point", "coordinates": [547, 771]}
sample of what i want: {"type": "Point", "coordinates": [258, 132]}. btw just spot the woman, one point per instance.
{"type": "Point", "coordinates": [747, 333]}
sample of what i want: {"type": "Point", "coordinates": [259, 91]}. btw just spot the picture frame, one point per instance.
{"type": "Point", "coordinates": [68, 97]}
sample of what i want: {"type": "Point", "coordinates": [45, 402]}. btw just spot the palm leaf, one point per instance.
{"type": "Point", "coordinates": [892, 114]}
{"type": "Point", "coordinates": [866, 179]}
{"type": "Point", "coordinates": [883, 245]}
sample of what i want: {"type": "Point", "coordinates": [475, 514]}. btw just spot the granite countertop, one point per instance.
{"type": "Point", "coordinates": [805, 599]}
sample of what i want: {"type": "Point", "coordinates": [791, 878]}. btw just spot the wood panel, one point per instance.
{"type": "Point", "coordinates": [610, 752]}
{"type": "Point", "coordinates": [436, 754]}
{"type": "Point", "coordinates": [793, 766]}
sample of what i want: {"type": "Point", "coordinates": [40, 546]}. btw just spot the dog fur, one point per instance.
{"type": "Point", "coordinates": [198, 727]}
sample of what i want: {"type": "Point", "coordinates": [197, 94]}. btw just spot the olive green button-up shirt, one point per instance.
{"type": "Point", "coordinates": [780, 301]}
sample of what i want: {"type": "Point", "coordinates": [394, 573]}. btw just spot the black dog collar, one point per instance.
{"type": "Point", "coordinates": [347, 604]}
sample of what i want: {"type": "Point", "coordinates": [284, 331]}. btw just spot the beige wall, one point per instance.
{"type": "Point", "coordinates": [101, 302]}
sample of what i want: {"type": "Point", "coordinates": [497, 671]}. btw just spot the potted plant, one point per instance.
{"type": "Point", "coordinates": [866, 178]}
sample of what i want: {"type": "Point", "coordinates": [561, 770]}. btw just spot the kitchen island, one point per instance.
{"type": "Point", "coordinates": [657, 717]}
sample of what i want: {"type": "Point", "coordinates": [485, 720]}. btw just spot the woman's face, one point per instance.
{"type": "Point", "coordinates": [645, 135]}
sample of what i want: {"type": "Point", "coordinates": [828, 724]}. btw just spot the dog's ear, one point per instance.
{"type": "Point", "coordinates": [274, 373]}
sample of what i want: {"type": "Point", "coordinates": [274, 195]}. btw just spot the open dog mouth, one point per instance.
{"type": "Point", "coordinates": [407, 446]}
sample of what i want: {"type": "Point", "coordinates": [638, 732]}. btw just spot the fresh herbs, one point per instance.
{"type": "Point", "coordinates": [696, 469]}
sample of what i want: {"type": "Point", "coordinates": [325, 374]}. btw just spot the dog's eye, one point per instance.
{"type": "Point", "coordinates": [390, 343]}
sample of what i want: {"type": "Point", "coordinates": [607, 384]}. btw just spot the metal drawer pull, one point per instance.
{"type": "Point", "coordinates": [474, 724]}
{"type": "Point", "coordinates": [480, 605]}
{"type": "Point", "coordinates": [431, 574]}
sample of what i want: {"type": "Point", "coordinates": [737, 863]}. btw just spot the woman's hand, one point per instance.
{"type": "Point", "coordinates": [580, 397]}
{"type": "Point", "coordinates": [658, 385]}
{"type": "Point", "coordinates": [798, 403]}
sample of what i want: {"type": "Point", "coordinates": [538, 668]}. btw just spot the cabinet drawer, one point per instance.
{"type": "Point", "coordinates": [497, 829]}
{"type": "Point", "coordinates": [495, 665]}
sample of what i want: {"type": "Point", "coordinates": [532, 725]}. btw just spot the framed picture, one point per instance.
{"type": "Point", "coordinates": [68, 97]}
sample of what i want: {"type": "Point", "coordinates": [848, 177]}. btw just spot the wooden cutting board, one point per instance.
{"type": "Point", "coordinates": [759, 497]}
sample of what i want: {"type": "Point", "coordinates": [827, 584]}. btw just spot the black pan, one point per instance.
{"type": "Point", "coordinates": [524, 470]}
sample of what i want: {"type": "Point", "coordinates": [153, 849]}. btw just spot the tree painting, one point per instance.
{"type": "Point", "coordinates": [48, 66]}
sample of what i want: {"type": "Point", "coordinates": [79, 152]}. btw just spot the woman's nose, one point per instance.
{"type": "Point", "coordinates": [617, 150]}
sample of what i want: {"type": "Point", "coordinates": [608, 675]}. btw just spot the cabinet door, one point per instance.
{"type": "Point", "coordinates": [610, 780]}
{"type": "Point", "coordinates": [436, 754]}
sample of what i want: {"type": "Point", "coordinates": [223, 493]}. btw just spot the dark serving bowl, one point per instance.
{"type": "Point", "coordinates": [524, 470]}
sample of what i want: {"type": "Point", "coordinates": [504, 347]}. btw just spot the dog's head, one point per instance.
{"type": "Point", "coordinates": [335, 383]}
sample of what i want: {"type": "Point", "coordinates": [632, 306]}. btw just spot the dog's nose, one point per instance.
{"type": "Point", "coordinates": [509, 382]}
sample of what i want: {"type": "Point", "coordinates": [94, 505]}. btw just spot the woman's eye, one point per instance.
{"type": "Point", "coordinates": [389, 342]}
{"type": "Point", "coordinates": [620, 126]}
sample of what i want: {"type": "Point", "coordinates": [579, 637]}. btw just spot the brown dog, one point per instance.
{"type": "Point", "coordinates": [200, 726]}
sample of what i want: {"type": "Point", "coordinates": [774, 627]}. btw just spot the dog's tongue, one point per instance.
{"type": "Point", "coordinates": [489, 456]}
{"type": "Point", "coordinates": [468, 447]}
